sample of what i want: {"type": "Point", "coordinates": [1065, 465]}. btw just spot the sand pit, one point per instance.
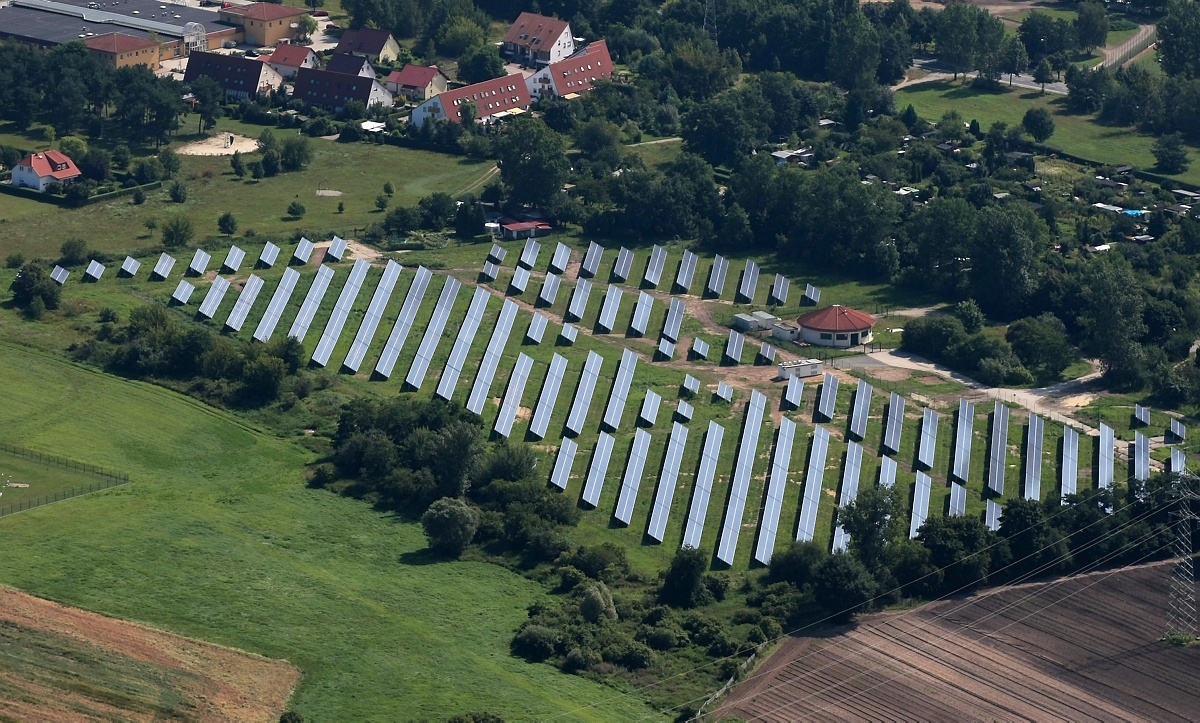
{"type": "Point", "coordinates": [218, 145]}
{"type": "Point", "coordinates": [328, 192]}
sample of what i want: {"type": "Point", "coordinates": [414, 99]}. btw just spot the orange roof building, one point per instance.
{"type": "Point", "coordinates": [39, 170]}
{"type": "Point", "coordinates": [838, 326]}
{"type": "Point", "coordinates": [537, 40]}
{"type": "Point", "coordinates": [120, 50]}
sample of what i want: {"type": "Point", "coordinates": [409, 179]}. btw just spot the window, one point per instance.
{"type": "Point", "coordinates": [826, 337]}
{"type": "Point", "coordinates": [841, 337]}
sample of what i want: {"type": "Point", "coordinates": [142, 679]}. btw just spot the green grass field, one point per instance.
{"type": "Point", "coordinates": [44, 480]}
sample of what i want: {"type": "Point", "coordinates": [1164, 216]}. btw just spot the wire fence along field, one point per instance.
{"type": "Point", "coordinates": [108, 479]}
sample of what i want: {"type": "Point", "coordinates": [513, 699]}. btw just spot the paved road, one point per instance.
{"type": "Point", "coordinates": [937, 72]}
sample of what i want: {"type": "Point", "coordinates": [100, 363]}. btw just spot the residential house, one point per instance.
{"type": "Point", "coordinates": [417, 82]}
{"type": "Point", "coordinates": [494, 99]}
{"type": "Point", "coordinates": [350, 65]}
{"type": "Point", "coordinates": [331, 91]}
{"type": "Point", "coordinates": [377, 45]}
{"type": "Point", "coordinates": [538, 40]}
{"type": "Point", "coordinates": [264, 23]}
{"type": "Point", "coordinates": [119, 50]}
{"type": "Point", "coordinates": [238, 77]}
{"type": "Point", "coordinates": [39, 170]}
{"type": "Point", "coordinates": [288, 58]}
{"type": "Point", "coordinates": [788, 157]}
{"type": "Point", "coordinates": [512, 229]}
{"type": "Point", "coordinates": [573, 75]}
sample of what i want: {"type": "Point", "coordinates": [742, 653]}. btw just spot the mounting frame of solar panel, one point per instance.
{"type": "Point", "coordinates": [814, 479]}
{"type": "Point", "coordinates": [598, 470]}
{"type": "Point", "coordinates": [963, 436]}
{"type": "Point", "coordinates": [370, 322]}
{"type": "Point", "coordinates": [1033, 460]}
{"type": "Point", "coordinates": [794, 393]}
{"type": "Point", "coordinates": [740, 484]}
{"type": "Point", "coordinates": [928, 445]}
{"type": "Point", "coordinates": [998, 457]}
{"type": "Point", "coordinates": [583, 394]}
{"type": "Point", "coordinates": [312, 301]}
{"type": "Point", "coordinates": [861, 410]}
{"type": "Point", "coordinates": [130, 266]}
{"type": "Point", "coordinates": [850, 474]}
{"type": "Point", "coordinates": [687, 269]}
{"type": "Point", "coordinates": [992, 516]}
{"type": "Point", "coordinates": [512, 396]}
{"type": "Point", "coordinates": [649, 410]}
{"type": "Point", "coordinates": [733, 346]}
{"type": "Point", "coordinates": [623, 265]}
{"type": "Point", "coordinates": [641, 313]}
{"type": "Point", "coordinates": [303, 251]}
{"type": "Point", "coordinates": [183, 292]}
{"type": "Point", "coordinates": [776, 484]}
{"type": "Point", "coordinates": [341, 311]}
{"type": "Point", "coordinates": [491, 357]}
{"type": "Point", "coordinates": [1070, 461]}
{"type": "Point", "coordinates": [666, 482]}
{"type": "Point", "coordinates": [1107, 443]}
{"type": "Point", "coordinates": [716, 275]}
{"type": "Point", "coordinates": [241, 308]}
{"type": "Point", "coordinates": [698, 510]}
{"type": "Point", "coordinates": [462, 344]}
{"type": "Point", "coordinates": [827, 402]}
{"type": "Point", "coordinates": [537, 328]}
{"type": "Point", "coordinates": [561, 259]}
{"type": "Point", "coordinates": [958, 500]}
{"type": "Point", "coordinates": [212, 300]}
{"type": "Point", "coordinates": [520, 279]}
{"type": "Point", "coordinates": [561, 473]}
{"type": "Point", "coordinates": [887, 472]}
{"type": "Point", "coordinates": [94, 270]}
{"type": "Point", "coordinates": [548, 397]}
{"type": "Point", "coordinates": [1141, 457]}
{"type": "Point", "coordinates": [700, 348]}
{"type": "Point", "coordinates": [749, 282]}
{"type": "Point", "coordinates": [162, 269]}
{"type": "Point", "coordinates": [674, 320]}
{"type": "Point", "coordinates": [403, 324]}
{"type": "Point", "coordinates": [337, 249]}
{"type": "Point", "coordinates": [920, 510]}
{"type": "Point", "coordinates": [579, 299]}
{"type": "Point", "coordinates": [549, 290]}
{"type": "Point", "coordinates": [233, 259]}
{"type": "Point", "coordinates": [199, 262]}
{"type": "Point", "coordinates": [591, 260]}
{"type": "Point", "coordinates": [529, 254]}
{"type": "Point", "coordinates": [779, 289]}
{"type": "Point", "coordinates": [654, 267]}
{"type": "Point", "coordinates": [433, 333]}
{"type": "Point", "coordinates": [608, 311]}
{"type": "Point", "coordinates": [497, 253]}
{"type": "Point", "coordinates": [632, 479]}
{"type": "Point", "coordinates": [279, 300]}
{"type": "Point", "coordinates": [269, 255]}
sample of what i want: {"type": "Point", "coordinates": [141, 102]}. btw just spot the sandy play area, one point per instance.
{"type": "Point", "coordinates": [218, 145]}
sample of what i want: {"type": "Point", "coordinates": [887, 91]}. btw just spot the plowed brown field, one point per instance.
{"type": "Point", "coordinates": [1082, 648]}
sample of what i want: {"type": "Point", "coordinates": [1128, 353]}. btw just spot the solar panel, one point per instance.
{"type": "Point", "coordinates": [337, 249]}
{"type": "Point", "coordinates": [370, 323]}
{"type": "Point", "coordinates": [812, 294]}
{"type": "Point", "coordinates": [733, 347]}
{"type": "Point", "coordinates": [162, 269]}
{"type": "Point", "coordinates": [794, 394]}
{"type": "Point", "coordinates": [579, 299]}
{"type": "Point", "coordinates": [569, 333]}
{"type": "Point", "coordinates": [861, 410]}
{"type": "Point", "coordinates": [698, 511]}
{"type": "Point", "coordinates": [632, 479]}
{"type": "Point", "coordinates": [1141, 414]}
{"type": "Point", "coordinates": [779, 289]}
{"type": "Point", "coordinates": [490, 271]}
{"type": "Point", "coordinates": [183, 292]}
{"type": "Point", "coordinates": [303, 251]}
{"type": "Point", "coordinates": [199, 262]}
{"type": "Point", "coordinates": [666, 482]}
{"type": "Point", "coordinates": [928, 446]}
{"type": "Point", "coordinates": [687, 269]}
{"type": "Point", "coordinates": [828, 397]}
{"type": "Point", "coordinates": [433, 333]}
{"type": "Point", "coordinates": [992, 517]}
{"type": "Point", "coordinates": [813, 481]}
{"type": "Point", "coordinates": [895, 424]}
{"type": "Point", "coordinates": [562, 465]}
{"type": "Point", "coordinates": [620, 390]}
{"type": "Point", "coordinates": [699, 348]}
{"type": "Point", "coordinates": [561, 259]}
{"type": "Point", "coordinates": [1178, 431]}
{"type": "Point", "coordinates": [529, 254]}
{"type": "Point", "coordinates": [591, 260]}
{"type": "Point", "coordinates": [537, 327]}
{"type": "Point", "coordinates": [958, 500]}
{"type": "Point", "coordinates": [776, 484]}
{"type": "Point", "coordinates": [233, 259]}
{"type": "Point", "coordinates": [666, 350]}
{"type": "Point", "coordinates": [1033, 460]}
{"type": "Point", "coordinates": [767, 353]}
{"type": "Point", "coordinates": [598, 470]}
{"type": "Point", "coordinates": [623, 265]}
{"type": "Point", "coordinates": [130, 266]}
{"type": "Point", "coordinates": [674, 320]}
{"type": "Point", "coordinates": [341, 311]}
{"type": "Point", "coordinates": [850, 475]}
{"type": "Point", "coordinates": [740, 484]}
{"type": "Point", "coordinates": [95, 270]}
{"type": "Point", "coordinates": [269, 254]}
{"type": "Point", "coordinates": [497, 254]}
{"type": "Point", "coordinates": [654, 267]}
{"type": "Point", "coordinates": [749, 282]}
{"type": "Point", "coordinates": [549, 290]}
{"type": "Point", "coordinates": [608, 312]}
{"type": "Point", "coordinates": [520, 280]}
{"type": "Point", "coordinates": [997, 460]}
{"type": "Point", "coordinates": [685, 411]}
{"type": "Point", "coordinates": [724, 391]}
{"type": "Point", "coordinates": [650, 405]}
{"type": "Point", "coordinates": [279, 300]}
{"type": "Point", "coordinates": [887, 472]}
{"type": "Point", "coordinates": [404, 322]}
{"type": "Point", "coordinates": [963, 434]}
{"type": "Point", "coordinates": [241, 309]}
{"type": "Point", "coordinates": [920, 510]}
{"type": "Point", "coordinates": [1105, 478]}
{"type": "Point", "coordinates": [512, 397]}
{"type": "Point", "coordinates": [1141, 457]}
{"type": "Point", "coordinates": [549, 396]}
{"type": "Point", "coordinates": [1178, 463]}
{"type": "Point", "coordinates": [1070, 460]}
{"type": "Point", "coordinates": [691, 383]}
{"type": "Point", "coordinates": [462, 345]}
{"type": "Point", "coordinates": [641, 313]}
{"type": "Point", "coordinates": [716, 275]}
{"type": "Point", "coordinates": [583, 393]}
{"type": "Point", "coordinates": [213, 298]}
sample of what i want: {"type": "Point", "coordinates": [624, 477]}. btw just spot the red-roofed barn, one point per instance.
{"type": "Point", "coordinates": [836, 326]}
{"type": "Point", "coordinates": [538, 40]}
{"type": "Point", "coordinates": [41, 169]}
{"type": "Point", "coordinates": [573, 75]}
{"type": "Point", "coordinates": [417, 82]}
{"type": "Point", "coordinates": [498, 95]}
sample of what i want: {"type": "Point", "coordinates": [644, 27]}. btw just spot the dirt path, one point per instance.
{"type": "Point", "coordinates": [651, 143]}
{"type": "Point", "coordinates": [217, 145]}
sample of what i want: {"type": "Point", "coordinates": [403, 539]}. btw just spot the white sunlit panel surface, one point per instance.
{"type": "Point", "coordinates": [303, 251]}
{"type": "Point", "coordinates": [199, 262]}
{"type": "Point", "coordinates": [561, 259]}
{"type": "Point", "coordinates": [497, 253]}
{"type": "Point", "coordinates": [549, 396]}
{"type": "Point", "coordinates": [579, 299]}
{"type": "Point", "coordinates": [1178, 431]}
{"type": "Point", "coordinates": [687, 270]}
{"type": "Point", "coordinates": [992, 517]}
{"type": "Point", "coordinates": [685, 411]}
{"type": "Point", "coordinates": [716, 275]}
{"type": "Point", "coordinates": [537, 328]}
{"type": "Point", "coordinates": [608, 311]}
{"type": "Point", "coordinates": [827, 401]}
{"type": "Point", "coordinates": [779, 289]}
{"type": "Point", "coordinates": [724, 391]}
{"type": "Point", "coordinates": [462, 344]}
{"type": "Point", "coordinates": [620, 390]}
{"type": "Point", "coordinates": [700, 348]}
{"type": "Point", "coordinates": [512, 397]}
{"type": "Point", "coordinates": [650, 404]}
{"type": "Point", "coordinates": [1178, 462]}
{"type": "Point", "coordinates": [920, 509]}
{"type": "Point", "coordinates": [549, 290]}
{"type": "Point", "coordinates": [308, 309]}
{"type": "Point", "coordinates": [598, 470]}
{"type": "Point", "coordinates": [337, 249]}
{"type": "Point", "coordinates": [269, 254]}
{"type": "Point", "coordinates": [212, 300]}
{"type": "Point", "coordinates": [591, 260]}
{"type": "Point", "coordinates": [341, 311]}
{"type": "Point", "coordinates": [794, 393]}
{"type": "Point", "coordinates": [733, 347]}
{"type": "Point", "coordinates": [583, 394]}
{"type": "Point", "coordinates": [998, 458]}
{"type": "Point", "coordinates": [1141, 457]}
{"type": "Point", "coordinates": [895, 424]}
{"type": "Point", "coordinates": [279, 300]}
{"type": "Point", "coordinates": [623, 265]}
{"type": "Point", "coordinates": [812, 294]}
{"type": "Point", "coordinates": [1033, 459]}
{"type": "Point", "coordinates": [674, 320]}
{"type": "Point", "coordinates": [740, 485]}
{"type": "Point", "coordinates": [233, 259]}
{"type": "Point", "coordinates": [94, 270]}
{"type": "Point", "coordinates": [183, 292]}
{"type": "Point", "coordinates": [749, 282]}
{"type": "Point", "coordinates": [370, 323]}
{"type": "Point", "coordinates": [963, 435]}
{"type": "Point", "coordinates": [767, 352]}
{"type": "Point", "coordinates": [691, 383]}
{"type": "Point", "coordinates": [641, 313]}
{"type": "Point", "coordinates": [666, 349]}
{"type": "Point", "coordinates": [130, 266]}
{"type": "Point", "coordinates": [403, 323]}
{"type": "Point", "coordinates": [433, 334]}
{"type": "Point", "coordinates": [887, 472]}
{"type": "Point", "coordinates": [162, 269]}
{"type": "Point", "coordinates": [654, 267]}
{"type": "Point", "coordinates": [562, 465]}
{"type": "Point", "coordinates": [850, 474]}
{"type": "Point", "coordinates": [958, 500]}
{"type": "Point", "coordinates": [861, 409]}
{"type": "Point", "coordinates": [698, 511]}
{"type": "Point", "coordinates": [928, 444]}
{"type": "Point", "coordinates": [1141, 414]}
{"type": "Point", "coordinates": [776, 483]}
{"type": "Point", "coordinates": [529, 254]}
{"type": "Point", "coordinates": [490, 271]}
{"type": "Point", "coordinates": [491, 357]}
{"type": "Point", "coordinates": [520, 279]}
{"type": "Point", "coordinates": [241, 309]}
{"type": "Point", "coordinates": [1107, 442]}
{"type": "Point", "coordinates": [666, 482]}
{"type": "Point", "coordinates": [632, 479]}
{"type": "Point", "coordinates": [569, 333]}
{"type": "Point", "coordinates": [814, 478]}
{"type": "Point", "coordinates": [1070, 461]}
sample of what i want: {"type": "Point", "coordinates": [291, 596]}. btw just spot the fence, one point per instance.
{"type": "Point", "coordinates": [108, 478]}
{"type": "Point", "coordinates": [1132, 48]}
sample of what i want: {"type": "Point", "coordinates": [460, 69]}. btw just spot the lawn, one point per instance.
{"type": "Point", "coordinates": [44, 479]}
{"type": "Point", "coordinates": [656, 155]}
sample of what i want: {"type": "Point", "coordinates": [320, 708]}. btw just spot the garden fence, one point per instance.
{"type": "Point", "coordinates": [108, 478]}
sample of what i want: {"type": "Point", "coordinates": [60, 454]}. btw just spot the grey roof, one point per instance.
{"type": "Point", "coordinates": [241, 308]}
{"type": "Point", "coordinates": [404, 322]}
{"type": "Point", "coordinates": [279, 300]}
{"type": "Point", "coordinates": [341, 311]}
{"type": "Point", "coordinates": [370, 323]}
{"type": "Point", "coordinates": [698, 511]}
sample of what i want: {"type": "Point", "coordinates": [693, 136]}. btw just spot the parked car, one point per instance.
{"type": "Point", "coordinates": [320, 13]}
{"type": "Point", "coordinates": [332, 26]}
{"type": "Point", "coordinates": [251, 53]}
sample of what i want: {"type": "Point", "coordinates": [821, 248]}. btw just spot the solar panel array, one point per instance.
{"type": "Point", "coordinates": [130, 266]}
{"type": "Point", "coordinates": [279, 300]}
{"type": "Point", "coordinates": [561, 259]}
{"type": "Point", "coordinates": [958, 500]}
{"type": "Point", "coordinates": [997, 459]}
{"type": "Point", "coordinates": [766, 352]}
{"type": "Point", "coordinates": [162, 269]}
{"type": "Point", "coordinates": [1141, 457]}
{"type": "Point", "coordinates": [579, 299]}
{"type": "Point", "coordinates": [1107, 442]}
{"type": "Point", "coordinates": [337, 249]}
{"type": "Point", "coordinates": [233, 259]}
{"type": "Point", "coordinates": [861, 410]}
{"type": "Point", "coordinates": [716, 275]}
{"type": "Point", "coordinates": [666, 482]}
{"type": "Point", "coordinates": [183, 292]}
{"type": "Point", "coordinates": [490, 271]}
{"type": "Point", "coordinates": [529, 254]}
{"type": "Point", "coordinates": [1178, 462]}
{"type": "Point", "coordinates": [549, 290]}
{"type": "Point", "coordinates": [312, 301]}
{"type": "Point", "coordinates": [674, 320]}
{"type": "Point", "coordinates": [1033, 459]}
{"type": "Point", "coordinates": [620, 390]}
{"type": "Point", "coordinates": [687, 270]}
{"type": "Point", "coordinates": [740, 484]}
{"type": "Point", "coordinates": [213, 298]}
{"type": "Point", "coordinates": [497, 254]}
{"type": "Point", "coordinates": [584, 392]}
{"type": "Point", "coordinates": [895, 424]}
{"type": "Point", "coordinates": [562, 465]}
{"type": "Point", "coordinates": [608, 311]}
{"type": "Point", "coordinates": [591, 260]}
{"type": "Point", "coordinates": [632, 479]}
{"type": "Point", "coordinates": [512, 397]}
{"type": "Point", "coordinates": [928, 444]}
{"type": "Point", "coordinates": [59, 275]}
{"type": "Point", "coordinates": [404, 322]}
{"type": "Point", "coordinates": [700, 348]}
{"type": "Point", "coordinates": [887, 472]}
{"type": "Point", "coordinates": [850, 475]}
{"type": "Point", "coordinates": [433, 333]}
{"type": "Point", "coordinates": [598, 470]}
{"type": "Point", "coordinates": [462, 344]}
{"type": "Point", "coordinates": [776, 484]}
{"type": "Point", "coordinates": [993, 514]}
{"type": "Point", "coordinates": [1070, 460]}
{"type": "Point", "coordinates": [269, 254]}
{"type": "Point", "coordinates": [94, 270]}
{"type": "Point", "coordinates": [520, 279]}
{"type": "Point", "coordinates": [779, 289]}
{"type": "Point", "coordinates": [666, 350]}
{"type": "Point", "coordinates": [963, 435]}
{"type": "Point", "coordinates": [341, 311]}
{"type": "Point", "coordinates": [694, 529]}
{"type": "Point", "coordinates": [569, 333]}
{"type": "Point", "coordinates": [1178, 431]}
{"type": "Point", "coordinates": [749, 282]}
{"type": "Point", "coordinates": [241, 309]}
{"type": "Point", "coordinates": [654, 268]}
{"type": "Point", "coordinates": [794, 393]}
{"type": "Point", "coordinates": [812, 294]}
{"type": "Point", "coordinates": [303, 251]}
{"type": "Point", "coordinates": [691, 383]}
{"type": "Point", "coordinates": [649, 412]}
{"type": "Point", "coordinates": [641, 313]}
{"type": "Point", "coordinates": [814, 479]}
{"type": "Point", "coordinates": [623, 265]}
{"type": "Point", "coordinates": [685, 411]}
{"type": "Point", "coordinates": [370, 323]}
{"type": "Point", "coordinates": [1141, 414]}
{"type": "Point", "coordinates": [920, 508]}
{"type": "Point", "coordinates": [827, 402]}
{"type": "Point", "coordinates": [199, 262]}
{"type": "Point", "coordinates": [733, 347]}
{"type": "Point", "coordinates": [549, 396]}
{"type": "Point", "coordinates": [724, 391]}
{"type": "Point", "coordinates": [537, 328]}
{"type": "Point", "coordinates": [491, 357]}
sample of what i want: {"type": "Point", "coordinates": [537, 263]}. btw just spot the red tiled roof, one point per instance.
{"type": "Point", "coordinates": [413, 76]}
{"type": "Point", "coordinates": [363, 40]}
{"type": "Point", "coordinates": [535, 30]}
{"type": "Point", "coordinates": [50, 163]}
{"type": "Point", "coordinates": [577, 72]}
{"type": "Point", "coordinates": [290, 55]}
{"type": "Point", "coordinates": [265, 11]}
{"type": "Point", "coordinates": [837, 318]}
{"type": "Point", "coordinates": [490, 97]}
{"type": "Point", "coordinates": [117, 43]}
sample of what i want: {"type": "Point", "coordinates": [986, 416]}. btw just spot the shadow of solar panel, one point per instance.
{"type": "Point", "coordinates": [779, 289]}
{"type": "Point", "coordinates": [269, 255]}
{"type": "Point", "coordinates": [733, 347]}
{"type": "Point", "coordinates": [303, 251]}
{"type": "Point", "coordinates": [767, 353]}
{"type": "Point", "coordinates": [162, 269]}
{"type": "Point", "coordinates": [887, 472]}
{"type": "Point", "coordinates": [279, 300]}
{"type": "Point", "coordinates": [1033, 460]}
{"type": "Point", "coordinates": [59, 275]}
{"type": "Point", "coordinates": [490, 271]}
{"type": "Point", "coordinates": [241, 308]}
{"type": "Point", "coordinates": [958, 500]}
{"type": "Point", "coordinates": [850, 474]}
{"type": "Point", "coordinates": [749, 282]}
{"type": "Point", "coordinates": [537, 328]}
{"type": "Point", "coordinates": [776, 484]}
{"type": "Point", "coordinates": [928, 445]}
{"type": "Point", "coordinates": [598, 470]}
{"type": "Point", "coordinates": [562, 465]}
{"type": "Point", "coordinates": [674, 320]}
{"type": "Point", "coordinates": [403, 323]}
{"type": "Point", "coordinates": [740, 484]}
{"type": "Point", "coordinates": [813, 480]}
{"type": "Point", "coordinates": [632, 478]}
{"type": "Point", "coordinates": [1141, 457]}
{"type": "Point", "coordinates": [579, 299]}
{"type": "Point", "coordinates": [920, 510]}
{"type": "Point", "coordinates": [548, 397]}
{"type": "Point", "coordinates": [608, 311]}
{"type": "Point", "coordinates": [433, 333]}
{"type": "Point", "coordinates": [462, 344]}
{"type": "Point", "coordinates": [183, 292]}
{"type": "Point", "coordinates": [512, 396]}
{"type": "Point", "coordinates": [130, 266]}
{"type": "Point", "coordinates": [94, 270]}
{"type": "Point", "coordinates": [520, 280]}
{"type": "Point", "coordinates": [212, 300]}
{"type": "Point", "coordinates": [591, 260]}
{"type": "Point", "coordinates": [998, 458]}
{"type": "Point", "coordinates": [561, 259]}
{"type": "Point", "coordinates": [623, 265]}
{"type": "Point", "coordinates": [691, 383]}
{"type": "Point", "coordinates": [687, 270]}
{"type": "Point", "coordinates": [233, 259]}
{"type": "Point", "coordinates": [341, 311]}
{"type": "Point", "coordinates": [1178, 462]}
{"type": "Point", "coordinates": [666, 482]}
{"type": "Point", "coordinates": [583, 394]}
{"type": "Point", "coordinates": [1178, 431]}
{"type": "Point", "coordinates": [698, 510]}
{"type": "Point", "coordinates": [641, 313]}
{"type": "Point", "coordinates": [497, 254]}
{"type": "Point", "coordinates": [649, 412]}
{"type": "Point", "coordinates": [666, 350]}
{"type": "Point", "coordinates": [654, 267]}
{"type": "Point", "coordinates": [963, 435]}
{"type": "Point", "coordinates": [724, 391]}
{"type": "Point", "coordinates": [1141, 414]}
{"type": "Point", "coordinates": [812, 294]}
{"type": "Point", "coordinates": [199, 262]}
{"type": "Point", "coordinates": [569, 333]}
{"type": "Point", "coordinates": [861, 410]}
{"type": "Point", "coordinates": [620, 390]}
{"type": "Point", "coordinates": [549, 290]}
{"type": "Point", "coordinates": [1070, 461]}
{"type": "Point", "coordinates": [992, 516]}
{"type": "Point", "coordinates": [895, 424]}
{"type": "Point", "coordinates": [685, 411]}
{"type": "Point", "coordinates": [337, 249]}
{"type": "Point", "coordinates": [716, 275]}
{"type": "Point", "coordinates": [699, 348]}
{"type": "Point", "coordinates": [793, 395]}
{"type": "Point", "coordinates": [529, 254]}
{"type": "Point", "coordinates": [370, 323]}
{"type": "Point", "coordinates": [1107, 442]}
{"type": "Point", "coordinates": [827, 401]}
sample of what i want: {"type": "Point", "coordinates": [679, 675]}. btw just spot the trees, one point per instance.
{"type": "Point", "coordinates": [971, 316]}
{"type": "Point", "coordinates": [1008, 240]}
{"type": "Point", "coordinates": [533, 161]}
{"type": "Point", "coordinates": [177, 231]}
{"type": "Point", "coordinates": [450, 525]}
{"type": "Point", "coordinates": [1091, 25]}
{"type": "Point", "coordinates": [295, 154]}
{"type": "Point", "coordinates": [843, 585]}
{"type": "Point", "coordinates": [1111, 303]}
{"type": "Point", "coordinates": [271, 162]}
{"type": "Point", "coordinates": [1039, 124]}
{"type": "Point", "coordinates": [1041, 344]}
{"type": "Point", "coordinates": [381, 202]}
{"type": "Point", "coordinates": [178, 192]}
{"type": "Point", "coordinates": [208, 101]}
{"type": "Point", "coordinates": [727, 127]}
{"type": "Point", "coordinates": [1013, 58]}
{"type": "Point", "coordinates": [468, 220]}
{"type": "Point", "coordinates": [480, 63]}
{"type": "Point", "coordinates": [227, 224]}
{"type": "Point", "coordinates": [960, 547]}
{"type": "Point", "coordinates": [458, 34]}
{"type": "Point", "coordinates": [74, 252]}
{"type": "Point", "coordinates": [296, 210]}
{"type": "Point", "coordinates": [33, 283]}
{"type": "Point", "coordinates": [171, 163]}
{"type": "Point", "coordinates": [873, 520]}
{"type": "Point", "coordinates": [854, 52]}
{"type": "Point", "coordinates": [388, 189]}
{"type": "Point", "coordinates": [955, 37]}
{"type": "Point", "coordinates": [683, 586]}
{"type": "Point", "coordinates": [267, 140]}
{"type": "Point", "coordinates": [1043, 74]}
{"type": "Point", "coordinates": [1179, 39]}
{"type": "Point", "coordinates": [1170, 153]}
{"type": "Point", "coordinates": [238, 164]}
{"type": "Point", "coordinates": [306, 25]}
{"type": "Point", "coordinates": [263, 376]}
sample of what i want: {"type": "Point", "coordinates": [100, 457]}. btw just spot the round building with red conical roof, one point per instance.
{"type": "Point", "coordinates": [836, 325]}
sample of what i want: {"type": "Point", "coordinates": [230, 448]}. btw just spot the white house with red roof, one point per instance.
{"type": "Point", "coordinates": [417, 82]}
{"type": "Point", "coordinates": [288, 59]}
{"type": "Point", "coordinates": [41, 169]}
{"type": "Point", "coordinates": [573, 75]}
{"type": "Point", "coordinates": [538, 40]}
{"type": "Point", "coordinates": [836, 326]}
{"type": "Point", "coordinates": [494, 99]}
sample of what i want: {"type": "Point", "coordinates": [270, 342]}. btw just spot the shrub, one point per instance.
{"type": "Point", "coordinates": [178, 192]}
{"type": "Point", "coordinates": [450, 526]}
{"type": "Point", "coordinates": [535, 642]}
{"type": "Point", "coordinates": [177, 231]}
{"type": "Point", "coordinates": [296, 209]}
{"type": "Point", "coordinates": [139, 197]}
{"type": "Point", "coordinates": [35, 309]}
{"type": "Point", "coordinates": [14, 260]}
{"type": "Point", "coordinates": [227, 224]}
{"type": "Point", "coordinates": [74, 252]}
